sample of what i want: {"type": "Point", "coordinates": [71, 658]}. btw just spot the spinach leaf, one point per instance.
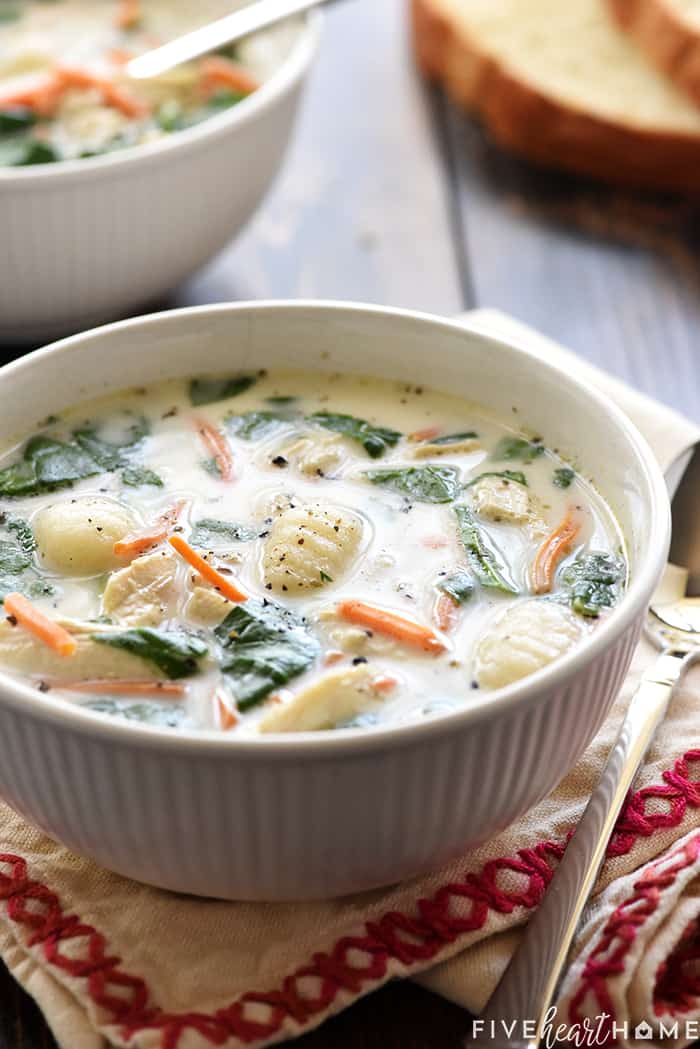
{"type": "Point", "coordinates": [174, 652]}
{"type": "Point", "coordinates": [459, 585]}
{"type": "Point", "coordinates": [251, 426]}
{"type": "Point", "coordinates": [135, 476]}
{"type": "Point", "coordinates": [517, 448]}
{"type": "Point", "coordinates": [454, 438]}
{"type": "Point", "coordinates": [108, 454]}
{"type": "Point", "coordinates": [162, 715]}
{"type": "Point", "coordinates": [281, 400]}
{"type": "Point", "coordinates": [9, 14]}
{"type": "Point", "coordinates": [483, 557]}
{"type": "Point", "coordinates": [426, 484]}
{"type": "Point", "coordinates": [594, 582]}
{"type": "Point", "coordinates": [375, 440]}
{"type": "Point", "coordinates": [17, 570]}
{"type": "Point", "coordinates": [507, 475]}
{"type": "Point", "coordinates": [210, 532]}
{"type": "Point", "coordinates": [265, 646]}
{"type": "Point", "coordinates": [21, 529]}
{"type": "Point", "coordinates": [563, 477]}
{"type": "Point", "coordinates": [15, 118]}
{"type": "Point", "coordinates": [13, 559]}
{"type": "Point", "coordinates": [23, 150]}
{"type": "Point", "coordinates": [208, 390]}
{"type": "Point", "coordinates": [46, 464]}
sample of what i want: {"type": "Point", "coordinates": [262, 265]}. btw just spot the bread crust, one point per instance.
{"type": "Point", "coordinates": [541, 128]}
{"type": "Point", "coordinates": [670, 41]}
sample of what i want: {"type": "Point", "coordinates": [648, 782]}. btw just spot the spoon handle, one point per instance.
{"type": "Point", "coordinates": [528, 986]}
{"type": "Point", "coordinates": [216, 34]}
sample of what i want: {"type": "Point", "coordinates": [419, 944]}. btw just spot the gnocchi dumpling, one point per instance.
{"type": "Point", "coordinates": [91, 661]}
{"type": "Point", "coordinates": [145, 592]}
{"type": "Point", "coordinates": [526, 638]}
{"type": "Point", "coordinates": [309, 546]}
{"type": "Point", "coordinates": [335, 697]}
{"type": "Point", "coordinates": [76, 537]}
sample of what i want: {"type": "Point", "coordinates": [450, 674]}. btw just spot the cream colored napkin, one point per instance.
{"type": "Point", "coordinates": [114, 962]}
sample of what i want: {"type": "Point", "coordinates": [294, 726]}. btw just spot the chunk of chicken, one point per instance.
{"type": "Point", "coordinates": [336, 696]}
{"type": "Point", "coordinates": [316, 455]}
{"type": "Point", "coordinates": [500, 499]}
{"type": "Point", "coordinates": [145, 592]}
{"type": "Point", "coordinates": [91, 661]}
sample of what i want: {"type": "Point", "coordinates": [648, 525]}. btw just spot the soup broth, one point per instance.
{"type": "Point", "coordinates": [290, 551]}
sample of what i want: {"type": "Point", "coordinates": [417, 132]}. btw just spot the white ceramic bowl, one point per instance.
{"type": "Point", "coordinates": [89, 240]}
{"type": "Point", "coordinates": [313, 815]}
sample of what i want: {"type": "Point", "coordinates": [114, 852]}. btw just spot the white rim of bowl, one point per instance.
{"type": "Point", "coordinates": [322, 745]}
{"type": "Point", "coordinates": [293, 68]}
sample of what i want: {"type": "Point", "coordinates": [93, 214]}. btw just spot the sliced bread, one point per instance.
{"type": "Point", "coordinates": [560, 83]}
{"type": "Point", "coordinates": [669, 33]}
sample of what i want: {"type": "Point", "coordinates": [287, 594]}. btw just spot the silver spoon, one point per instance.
{"type": "Point", "coordinates": [217, 34]}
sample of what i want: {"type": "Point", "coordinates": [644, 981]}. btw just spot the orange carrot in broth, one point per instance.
{"type": "Point", "coordinates": [138, 542]}
{"type": "Point", "coordinates": [122, 688]}
{"type": "Point", "coordinates": [550, 553]}
{"type": "Point", "coordinates": [445, 612]}
{"type": "Point", "coordinates": [217, 444]}
{"type": "Point", "coordinates": [390, 624]}
{"type": "Point", "coordinates": [51, 633]}
{"type": "Point", "coordinates": [218, 71]}
{"type": "Point", "coordinates": [225, 586]}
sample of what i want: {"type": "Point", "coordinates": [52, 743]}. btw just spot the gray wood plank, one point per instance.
{"type": "Point", "coordinates": [612, 274]}
{"type": "Point", "coordinates": [360, 211]}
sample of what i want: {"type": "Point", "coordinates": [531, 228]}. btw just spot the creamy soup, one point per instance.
{"type": "Point", "coordinates": [289, 551]}
{"type": "Point", "coordinates": [64, 92]}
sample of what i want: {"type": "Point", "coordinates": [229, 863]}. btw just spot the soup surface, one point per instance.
{"type": "Point", "coordinates": [292, 551]}
{"type": "Point", "coordinates": [64, 92]}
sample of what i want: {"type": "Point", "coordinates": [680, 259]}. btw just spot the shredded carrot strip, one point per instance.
{"type": "Point", "coordinates": [113, 95]}
{"type": "Point", "coordinates": [227, 718]}
{"type": "Point", "coordinates": [551, 552]}
{"type": "Point", "coordinates": [425, 435]}
{"type": "Point", "coordinates": [129, 14]}
{"type": "Point", "coordinates": [445, 612]}
{"type": "Point", "coordinates": [384, 683]}
{"type": "Point", "coordinates": [222, 72]}
{"type": "Point", "coordinates": [222, 584]}
{"type": "Point", "coordinates": [435, 542]}
{"type": "Point", "coordinates": [119, 57]}
{"type": "Point", "coordinates": [390, 624]}
{"type": "Point", "coordinates": [138, 542]}
{"type": "Point", "coordinates": [333, 657]}
{"type": "Point", "coordinates": [217, 444]}
{"type": "Point", "coordinates": [53, 635]}
{"type": "Point", "coordinates": [122, 688]}
{"type": "Point", "coordinates": [42, 95]}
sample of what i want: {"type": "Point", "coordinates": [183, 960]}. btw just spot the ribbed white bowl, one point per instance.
{"type": "Point", "coordinates": [314, 815]}
{"type": "Point", "coordinates": [89, 240]}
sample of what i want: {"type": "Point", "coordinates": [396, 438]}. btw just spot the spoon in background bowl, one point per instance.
{"type": "Point", "coordinates": [214, 35]}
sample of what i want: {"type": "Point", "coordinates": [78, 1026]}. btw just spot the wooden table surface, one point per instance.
{"type": "Point", "coordinates": [389, 195]}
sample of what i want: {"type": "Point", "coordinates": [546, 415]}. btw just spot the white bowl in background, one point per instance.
{"type": "Point", "coordinates": [89, 240]}
{"type": "Point", "coordinates": [316, 815]}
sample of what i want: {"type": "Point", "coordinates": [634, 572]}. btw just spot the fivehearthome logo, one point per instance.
{"type": "Point", "coordinates": [601, 1030]}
